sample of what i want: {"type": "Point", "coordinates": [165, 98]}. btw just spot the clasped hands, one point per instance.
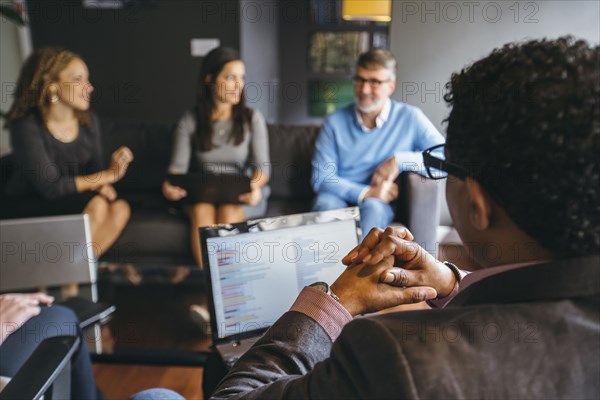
{"type": "Point", "coordinates": [382, 182]}
{"type": "Point", "coordinates": [388, 269]}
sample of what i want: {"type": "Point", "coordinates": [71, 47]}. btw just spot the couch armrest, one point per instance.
{"type": "Point", "coordinates": [48, 368]}
{"type": "Point", "coordinates": [418, 208]}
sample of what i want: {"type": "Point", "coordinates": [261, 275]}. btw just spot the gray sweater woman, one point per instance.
{"type": "Point", "coordinates": [252, 152]}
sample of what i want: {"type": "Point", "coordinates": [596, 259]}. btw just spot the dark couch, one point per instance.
{"type": "Point", "coordinates": [158, 231]}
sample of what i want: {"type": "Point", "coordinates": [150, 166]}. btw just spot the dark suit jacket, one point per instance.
{"type": "Point", "coordinates": [532, 332]}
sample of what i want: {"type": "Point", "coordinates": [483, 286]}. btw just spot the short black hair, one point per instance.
{"type": "Point", "coordinates": [525, 119]}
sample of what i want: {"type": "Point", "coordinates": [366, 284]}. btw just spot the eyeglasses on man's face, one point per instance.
{"type": "Point", "coordinates": [437, 167]}
{"type": "Point", "coordinates": [374, 83]}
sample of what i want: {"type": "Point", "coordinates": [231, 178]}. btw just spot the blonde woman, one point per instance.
{"type": "Point", "coordinates": [57, 148]}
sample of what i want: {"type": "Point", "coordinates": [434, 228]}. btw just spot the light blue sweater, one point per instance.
{"type": "Point", "coordinates": [346, 157]}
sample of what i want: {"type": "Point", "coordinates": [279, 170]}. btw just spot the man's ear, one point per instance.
{"type": "Point", "coordinates": [480, 209]}
{"type": "Point", "coordinates": [392, 87]}
{"type": "Point", "coordinates": [208, 78]}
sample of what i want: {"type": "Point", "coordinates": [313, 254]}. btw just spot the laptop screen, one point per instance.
{"type": "Point", "coordinates": [46, 251]}
{"type": "Point", "coordinates": [258, 268]}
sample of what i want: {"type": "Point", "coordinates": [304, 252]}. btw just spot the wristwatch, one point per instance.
{"type": "Point", "coordinates": [455, 270]}
{"type": "Point", "coordinates": [324, 287]}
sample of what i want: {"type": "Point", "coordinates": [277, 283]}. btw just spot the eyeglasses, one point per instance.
{"type": "Point", "coordinates": [374, 83]}
{"type": "Point", "coordinates": [438, 168]}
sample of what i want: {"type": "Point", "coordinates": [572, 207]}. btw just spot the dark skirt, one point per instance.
{"type": "Point", "coordinates": [32, 205]}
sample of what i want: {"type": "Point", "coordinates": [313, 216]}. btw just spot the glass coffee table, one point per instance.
{"type": "Point", "coordinates": [155, 322]}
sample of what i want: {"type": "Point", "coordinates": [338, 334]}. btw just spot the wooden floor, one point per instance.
{"type": "Point", "coordinates": [117, 381]}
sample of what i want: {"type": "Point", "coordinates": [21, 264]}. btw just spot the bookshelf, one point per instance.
{"type": "Point", "coordinates": [333, 46]}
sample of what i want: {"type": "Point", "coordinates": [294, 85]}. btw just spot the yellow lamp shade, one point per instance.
{"type": "Point", "coordinates": [367, 10]}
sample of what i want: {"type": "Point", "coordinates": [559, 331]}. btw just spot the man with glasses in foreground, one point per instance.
{"type": "Point", "coordinates": [524, 180]}
{"type": "Point", "coordinates": [363, 147]}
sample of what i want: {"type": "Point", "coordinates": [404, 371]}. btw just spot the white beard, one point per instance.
{"type": "Point", "coordinates": [376, 105]}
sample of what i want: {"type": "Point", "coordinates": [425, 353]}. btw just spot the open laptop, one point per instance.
{"type": "Point", "coordinates": [256, 269]}
{"type": "Point", "coordinates": [51, 252]}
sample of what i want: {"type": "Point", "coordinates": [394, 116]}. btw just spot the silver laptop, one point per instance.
{"type": "Point", "coordinates": [46, 252]}
{"type": "Point", "coordinates": [256, 269]}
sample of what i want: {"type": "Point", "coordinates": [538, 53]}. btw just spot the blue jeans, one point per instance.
{"type": "Point", "coordinates": [373, 212]}
{"type": "Point", "coordinates": [157, 394]}
{"type": "Point", "coordinates": [51, 321]}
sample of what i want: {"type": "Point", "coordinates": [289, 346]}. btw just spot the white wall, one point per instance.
{"type": "Point", "coordinates": [259, 48]}
{"type": "Point", "coordinates": [432, 39]}
{"type": "Point", "coordinates": [10, 62]}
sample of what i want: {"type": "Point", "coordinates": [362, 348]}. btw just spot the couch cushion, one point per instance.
{"type": "Point", "coordinates": [151, 145]}
{"type": "Point", "coordinates": [7, 168]}
{"type": "Point", "coordinates": [278, 207]}
{"type": "Point", "coordinates": [291, 150]}
{"type": "Point", "coordinates": [153, 236]}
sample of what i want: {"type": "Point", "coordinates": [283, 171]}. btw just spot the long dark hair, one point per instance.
{"type": "Point", "coordinates": [212, 66]}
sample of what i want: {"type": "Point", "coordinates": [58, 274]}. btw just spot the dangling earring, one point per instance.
{"type": "Point", "coordinates": [54, 98]}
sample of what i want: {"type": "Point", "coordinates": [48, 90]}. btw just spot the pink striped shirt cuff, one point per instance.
{"type": "Point", "coordinates": [469, 278]}
{"type": "Point", "coordinates": [321, 307]}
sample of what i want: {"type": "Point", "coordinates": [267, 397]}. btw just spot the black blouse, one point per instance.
{"type": "Point", "coordinates": [47, 166]}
